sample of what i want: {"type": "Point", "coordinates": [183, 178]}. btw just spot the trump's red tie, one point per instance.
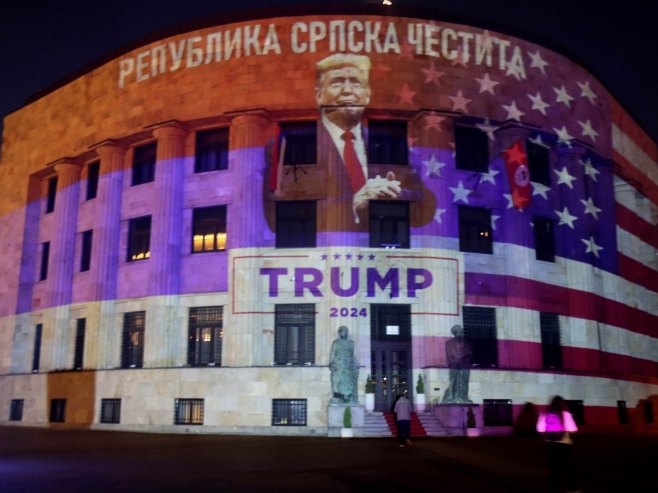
{"type": "Point", "coordinates": [354, 169]}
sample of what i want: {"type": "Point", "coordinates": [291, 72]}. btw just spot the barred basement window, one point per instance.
{"type": "Point", "coordinates": [387, 142]}
{"type": "Point", "coordinates": [144, 158]}
{"type": "Point", "coordinates": [110, 411]}
{"type": "Point", "coordinates": [294, 334]}
{"type": "Point", "coordinates": [205, 335]}
{"type": "Point", "coordinates": [288, 412]}
{"type": "Point", "coordinates": [211, 150]}
{"type": "Point", "coordinates": [58, 410]}
{"type": "Point", "coordinates": [497, 412]}
{"type": "Point", "coordinates": [16, 410]}
{"type": "Point", "coordinates": [188, 412]}
{"type": "Point", "coordinates": [132, 354]}
{"type": "Point", "coordinates": [622, 413]}
{"type": "Point", "coordinates": [551, 349]}
{"type": "Point", "coordinates": [577, 409]}
{"type": "Point", "coordinates": [389, 224]}
{"type": "Point", "coordinates": [480, 330]}
{"type": "Point", "coordinates": [298, 143]}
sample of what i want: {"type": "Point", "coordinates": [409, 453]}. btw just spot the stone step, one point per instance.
{"type": "Point", "coordinates": [432, 425]}
{"type": "Point", "coordinates": [375, 425]}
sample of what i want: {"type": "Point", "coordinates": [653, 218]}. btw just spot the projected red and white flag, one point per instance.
{"type": "Point", "coordinates": [518, 175]}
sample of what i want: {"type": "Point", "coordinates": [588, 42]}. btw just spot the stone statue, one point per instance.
{"type": "Point", "coordinates": [458, 352]}
{"type": "Point", "coordinates": [344, 369]}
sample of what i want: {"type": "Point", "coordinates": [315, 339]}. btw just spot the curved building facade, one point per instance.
{"type": "Point", "coordinates": [187, 225]}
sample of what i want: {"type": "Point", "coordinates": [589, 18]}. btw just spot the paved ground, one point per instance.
{"type": "Point", "coordinates": [49, 461]}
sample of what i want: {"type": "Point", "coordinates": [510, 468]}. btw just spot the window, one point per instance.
{"type": "Point", "coordinates": [389, 224]}
{"type": "Point", "coordinates": [551, 350]}
{"type": "Point", "coordinates": [144, 164]}
{"type": "Point", "coordinates": [294, 334]}
{"type": "Point", "coordinates": [45, 256]}
{"type": "Point", "coordinates": [480, 330]}
{"type": "Point", "coordinates": [36, 352]}
{"type": "Point", "coordinates": [288, 412]}
{"type": "Point", "coordinates": [497, 412]}
{"type": "Point", "coordinates": [57, 410]}
{"type": "Point", "coordinates": [132, 354]}
{"type": "Point", "coordinates": [622, 413]}
{"type": "Point", "coordinates": [188, 411]}
{"type": "Point", "coordinates": [16, 410]}
{"type": "Point", "coordinates": [577, 409]}
{"type": "Point", "coordinates": [475, 230]}
{"type": "Point", "coordinates": [387, 142]}
{"type": "Point", "coordinates": [110, 411]}
{"type": "Point", "coordinates": [52, 193]}
{"type": "Point", "coordinates": [471, 149]}
{"type": "Point", "coordinates": [209, 229]}
{"type": "Point", "coordinates": [538, 163]}
{"type": "Point", "coordinates": [93, 171]}
{"type": "Point", "coordinates": [85, 251]}
{"type": "Point", "coordinates": [211, 150]}
{"type": "Point", "coordinates": [78, 355]}
{"type": "Point", "coordinates": [648, 411]}
{"type": "Point", "coordinates": [296, 224]}
{"type": "Point", "coordinates": [298, 143]}
{"type": "Point", "coordinates": [544, 239]}
{"type": "Point", "coordinates": [205, 336]}
{"type": "Point", "coordinates": [139, 238]}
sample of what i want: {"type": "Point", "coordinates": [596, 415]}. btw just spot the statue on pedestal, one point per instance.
{"type": "Point", "coordinates": [458, 352]}
{"type": "Point", "coordinates": [344, 369]}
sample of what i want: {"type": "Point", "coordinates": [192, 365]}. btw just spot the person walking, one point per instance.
{"type": "Point", "coordinates": [402, 411]}
{"type": "Point", "coordinates": [556, 425]}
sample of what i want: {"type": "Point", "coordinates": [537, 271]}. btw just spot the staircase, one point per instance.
{"type": "Point", "coordinates": [375, 425]}
{"type": "Point", "coordinates": [417, 429]}
{"type": "Point", "coordinates": [432, 425]}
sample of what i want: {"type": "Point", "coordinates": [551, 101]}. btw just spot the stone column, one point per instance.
{"type": "Point", "coordinates": [164, 336]}
{"type": "Point", "coordinates": [60, 280]}
{"type": "Point", "coordinates": [104, 338]}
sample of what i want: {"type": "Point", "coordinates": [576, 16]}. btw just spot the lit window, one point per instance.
{"type": "Point", "coordinates": [205, 335]}
{"type": "Point", "coordinates": [132, 354]}
{"type": "Point", "coordinates": [289, 412]}
{"type": "Point", "coordinates": [294, 334]}
{"type": "Point", "coordinates": [475, 233]}
{"type": "Point", "coordinates": [209, 229]}
{"type": "Point", "coordinates": [188, 411]}
{"type": "Point", "coordinates": [139, 238]}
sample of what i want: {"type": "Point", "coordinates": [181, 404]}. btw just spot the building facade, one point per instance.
{"type": "Point", "coordinates": [181, 239]}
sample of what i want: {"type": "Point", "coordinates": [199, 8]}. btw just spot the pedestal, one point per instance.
{"type": "Point", "coordinates": [455, 417]}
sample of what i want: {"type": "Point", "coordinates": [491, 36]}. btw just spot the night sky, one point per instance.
{"type": "Point", "coordinates": [45, 41]}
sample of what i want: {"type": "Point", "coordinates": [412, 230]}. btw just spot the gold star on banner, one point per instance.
{"type": "Point", "coordinates": [590, 208]}
{"type": "Point", "coordinates": [538, 103]}
{"type": "Point", "coordinates": [566, 218]}
{"type": "Point", "coordinates": [588, 131]}
{"type": "Point", "coordinates": [586, 91]}
{"type": "Point", "coordinates": [513, 113]}
{"type": "Point", "coordinates": [432, 75]}
{"type": "Point", "coordinates": [486, 84]}
{"type": "Point", "coordinates": [591, 246]}
{"type": "Point", "coordinates": [564, 178]}
{"type": "Point", "coordinates": [536, 61]}
{"type": "Point", "coordinates": [459, 102]}
{"type": "Point", "coordinates": [406, 95]}
{"type": "Point", "coordinates": [562, 96]}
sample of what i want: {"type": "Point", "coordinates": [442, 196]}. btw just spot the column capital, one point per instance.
{"type": "Point", "coordinates": [108, 148]}
{"type": "Point", "coordinates": [256, 117]}
{"type": "Point", "coordinates": [171, 128]}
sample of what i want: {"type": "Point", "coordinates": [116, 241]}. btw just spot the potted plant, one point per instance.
{"type": "Point", "coordinates": [471, 430]}
{"type": "Point", "coordinates": [370, 394]}
{"type": "Point", "coordinates": [346, 431]}
{"type": "Point", "coordinates": [420, 394]}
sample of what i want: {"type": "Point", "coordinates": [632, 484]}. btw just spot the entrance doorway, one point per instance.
{"type": "Point", "coordinates": [390, 339]}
